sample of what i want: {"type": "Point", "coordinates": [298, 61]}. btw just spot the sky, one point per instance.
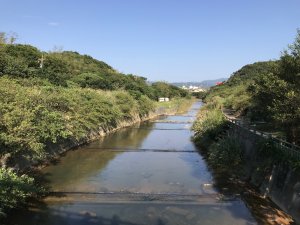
{"type": "Point", "coordinates": [168, 40]}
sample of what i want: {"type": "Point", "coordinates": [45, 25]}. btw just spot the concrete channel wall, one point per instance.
{"type": "Point", "coordinates": [281, 183]}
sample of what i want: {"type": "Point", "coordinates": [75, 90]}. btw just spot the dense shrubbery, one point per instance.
{"type": "Point", "coordinates": [226, 153]}
{"type": "Point", "coordinates": [33, 116]}
{"type": "Point", "coordinates": [209, 124]}
{"type": "Point", "coordinates": [222, 152]}
{"type": "Point", "coordinates": [200, 94]}
{"type": "Point", "coordinates": [267, 91]}
{"type": "Point", "coordinates": [276, 95]}
{"type": "Point", "coordinates": [234, 92]}
{"type": "Point", "coordinates": [15, 190]}
{"type": "Point", "coordinates": [72, 69]}
{"type": "Point", "coordinates": [49, 98]}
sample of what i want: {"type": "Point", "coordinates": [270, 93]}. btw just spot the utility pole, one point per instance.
{"type": "Point", "coordinates": [41, 61]}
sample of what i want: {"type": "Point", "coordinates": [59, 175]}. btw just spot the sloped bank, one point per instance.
{"type": "Point", "coordinates": [250, 167]}
{"type": "Point", "coordinates": [176, 106]}
{"type": "Point", "coordinates": [54, 150]}
{"type": "Point", "coordinates": [40, 123]}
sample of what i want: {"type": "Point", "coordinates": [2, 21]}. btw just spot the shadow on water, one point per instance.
{"type": "Point", "coordinates": [60, 217]}
{"type": "Point", "coordinates": [136, 214]}
{"type": "Point", "coordinates": [229, 185]}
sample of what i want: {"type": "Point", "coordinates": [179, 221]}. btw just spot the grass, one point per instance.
{"type": "Point", "coordinates": [180, 104]}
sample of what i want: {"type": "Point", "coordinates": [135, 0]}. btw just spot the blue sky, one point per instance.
{"type": "Point", "coordinates": [171, 40]}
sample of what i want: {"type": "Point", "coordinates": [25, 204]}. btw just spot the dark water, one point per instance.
{"type": "Point", "coordinates": [150, 173]}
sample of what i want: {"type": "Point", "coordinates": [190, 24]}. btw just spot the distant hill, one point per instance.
{"type": "Point", "coordinates": [203, 84]}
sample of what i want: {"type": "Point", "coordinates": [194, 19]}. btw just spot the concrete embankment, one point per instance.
{"type": "Point", "coordinates": [279, 181]}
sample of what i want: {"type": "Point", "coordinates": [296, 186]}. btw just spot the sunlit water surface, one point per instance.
{"type": "Point", "coordinates": [150, 173]}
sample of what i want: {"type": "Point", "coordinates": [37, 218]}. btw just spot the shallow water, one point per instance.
{"type": "Point", "coordinates": [150, 173]}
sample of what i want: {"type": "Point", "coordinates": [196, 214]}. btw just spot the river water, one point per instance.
{"type": "Point", "coordinates": [150, 173]}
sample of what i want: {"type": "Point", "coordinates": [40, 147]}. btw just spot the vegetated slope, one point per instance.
{"type": "Point", "coordinates": [70, 69]}
{"type": "Point", "coordinates": [234, 93]}
{"type": "Point", "coordinates": [268, 95]}
{"type": "Point", "coordinates": [34, 116]}
{"type": "Point", "coordinates": [49, 98]}
{"type": "Point", "coordinates": [266, 92]}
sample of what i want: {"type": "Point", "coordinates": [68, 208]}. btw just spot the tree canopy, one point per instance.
{"type": "Point", "coordinates": [69, 68]}
{"type": "Point", "coordinates": [266, 91]}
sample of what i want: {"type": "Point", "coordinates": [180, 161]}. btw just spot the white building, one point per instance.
{"type": "Point", "coordinates": [163, 99]}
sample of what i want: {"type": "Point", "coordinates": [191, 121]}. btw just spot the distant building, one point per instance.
{"type": "Point", "coordinates": [163, 99]}
{"type": "Point", "coordinates": [193, 88]}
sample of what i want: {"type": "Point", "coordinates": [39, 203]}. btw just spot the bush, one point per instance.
{"type": "Point", "coordinates": [34, 116]}
{"type": "Point", "coordinates": [15, 190]}
{"type": "Point", "coordinates": [128, 105]}
{"type": "Point", "coordinates": [226, 153]}
{"type": "Point", "coordinates": [89, 80]}
{"type": "Point", "coordinates": [209, 124]}
{"type": "Point", "coordinates": [145, 106]}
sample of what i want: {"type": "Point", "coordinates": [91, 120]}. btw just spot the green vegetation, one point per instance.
{"type": "Point", "coordinates": [199, 95]}
{"type": "Point", "coordinates": [209, 124]}
{"type": "Point", "coordinates": [36, 116]}
{"type": "Point", "coordinates": [15, 190]}
{"type": "Point", "coordinates": [226, 154]}
{"type": "Point", "coordinates": [48, 99]}
{"type": "Point", "coordinates": [70, 69]}
{"type": "Point", "coordinates": [222, 152]}
{"type": "Point", "coordinates": [178, 105]}
{"type": "Point", "coordinates": [266, 92]}
{"type": "Point", "coordinates": [234, 93]}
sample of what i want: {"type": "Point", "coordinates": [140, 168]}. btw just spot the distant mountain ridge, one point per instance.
{"type": "Point", "coordinates": [203, 84]}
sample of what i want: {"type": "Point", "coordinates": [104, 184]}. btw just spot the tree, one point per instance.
{"type": "Point", "coordinates": [8, 38]}
{"type": "Point", "coordinates": [278, 93]}
{"type": "Point", "coordinates": [3, 38]}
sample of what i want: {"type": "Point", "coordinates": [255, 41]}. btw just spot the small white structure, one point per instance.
{"type": "Point", "coordinates": [163, 99]}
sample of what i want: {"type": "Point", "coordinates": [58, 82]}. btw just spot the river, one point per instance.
{"type": "Point", "coordinates": [150, 173]}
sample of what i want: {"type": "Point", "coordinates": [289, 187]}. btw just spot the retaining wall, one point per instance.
{"type": "Point", "coordinates": [281, 183]}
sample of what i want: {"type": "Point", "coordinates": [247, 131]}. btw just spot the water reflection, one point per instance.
{"type": "Point", "coordinates": [127, 138]}
{"type": "Point", "coordinates": [99, 175]}
{"type": "Point", "coordinates": [75, 168]}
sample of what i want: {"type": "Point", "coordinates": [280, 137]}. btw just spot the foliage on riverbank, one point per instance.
{"type": "Point", "coordinates": [48, 99]}
{"type": "Point", "coordinates": [36, 116]}
{"type": "Point", "coordinates": [178, 105]}
{"type": "Point", "coordinates": [222, 152]}
{"type": "Point", "coordinates": [15, 190]}
{"type": "Point", "coordinates": [210, 122]}
{"type": "Point", "coordinates": [268, 92]}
